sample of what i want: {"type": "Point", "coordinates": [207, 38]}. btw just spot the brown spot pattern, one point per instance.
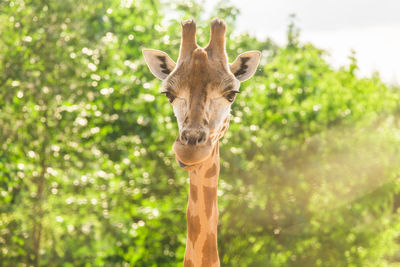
{"type": "Point", "coordinates": [188, 263]}
{"type": "Point", "coordinates": [193, 226]}
{"type": "Point", "coordinates": [211, 172]}
{"type": "Point", "coordinates": [193, 192]}
{"type": "Point", "coordinates": [210, 252]}
{"type": "Point", "coordinates": [210, 199]}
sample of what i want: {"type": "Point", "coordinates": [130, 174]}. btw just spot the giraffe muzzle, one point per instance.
{"type": "Point", "coordinates": [189, 155]}
{"type": "Point", "coordinates": [193, 138]}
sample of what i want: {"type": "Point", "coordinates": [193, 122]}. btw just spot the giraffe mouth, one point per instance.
{"type": "Point", "coordinates": [183, 165]}
{"type": "Point", "coordinates": [188, 156]}
{"type": "Point", "coordinates": [187, 167]}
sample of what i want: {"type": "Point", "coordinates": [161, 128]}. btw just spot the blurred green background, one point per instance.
{"type": "Point", "coordinates": [310, 165]}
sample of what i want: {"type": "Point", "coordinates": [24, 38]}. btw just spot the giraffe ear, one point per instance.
{"type": "Point", "coordinates": [159, 63]}
{"type": "Point", "coordinates": [245, 65]}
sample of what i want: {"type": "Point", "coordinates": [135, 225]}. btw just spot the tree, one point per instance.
{"type": "Point", "coordinates": [88, 178]}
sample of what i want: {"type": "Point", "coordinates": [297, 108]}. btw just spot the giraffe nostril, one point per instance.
{"type": "Point", "coordinates": [193, 138]}
{"type": "Point", "coordinates": [202, 138]}
{"type": "Point", "coordinates": [184, 137]}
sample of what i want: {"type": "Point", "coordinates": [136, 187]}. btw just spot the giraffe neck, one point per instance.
{"type": "Point", "coordinates": [202, 214]}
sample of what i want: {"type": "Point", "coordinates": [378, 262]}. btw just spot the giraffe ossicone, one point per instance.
{"type": "Point", "coordinates": [201, 86]}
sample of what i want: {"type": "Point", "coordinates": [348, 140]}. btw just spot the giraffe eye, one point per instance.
{"type": "Point", "coordinates": [231, 95]}
{"type": "Point", "coordinates": [170, 96]}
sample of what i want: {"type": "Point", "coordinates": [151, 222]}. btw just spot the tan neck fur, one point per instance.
{"type": "Point", "coordinates": [202, 214]}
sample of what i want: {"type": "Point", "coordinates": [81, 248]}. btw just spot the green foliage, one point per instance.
{"type": "Point", "coordinates": [316, 154]}
{"type": "Point", "coordinates": [310, 164]}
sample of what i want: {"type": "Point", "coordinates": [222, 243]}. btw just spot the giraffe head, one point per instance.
{"type": "Point", "coordinates": [201, 87]}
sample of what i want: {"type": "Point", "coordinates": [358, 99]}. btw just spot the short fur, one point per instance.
{"type": "Point", "coordinates": [201, 87]}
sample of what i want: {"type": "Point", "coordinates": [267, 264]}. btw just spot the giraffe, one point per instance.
{"type": "Point", "coordinates": [201, 87]}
